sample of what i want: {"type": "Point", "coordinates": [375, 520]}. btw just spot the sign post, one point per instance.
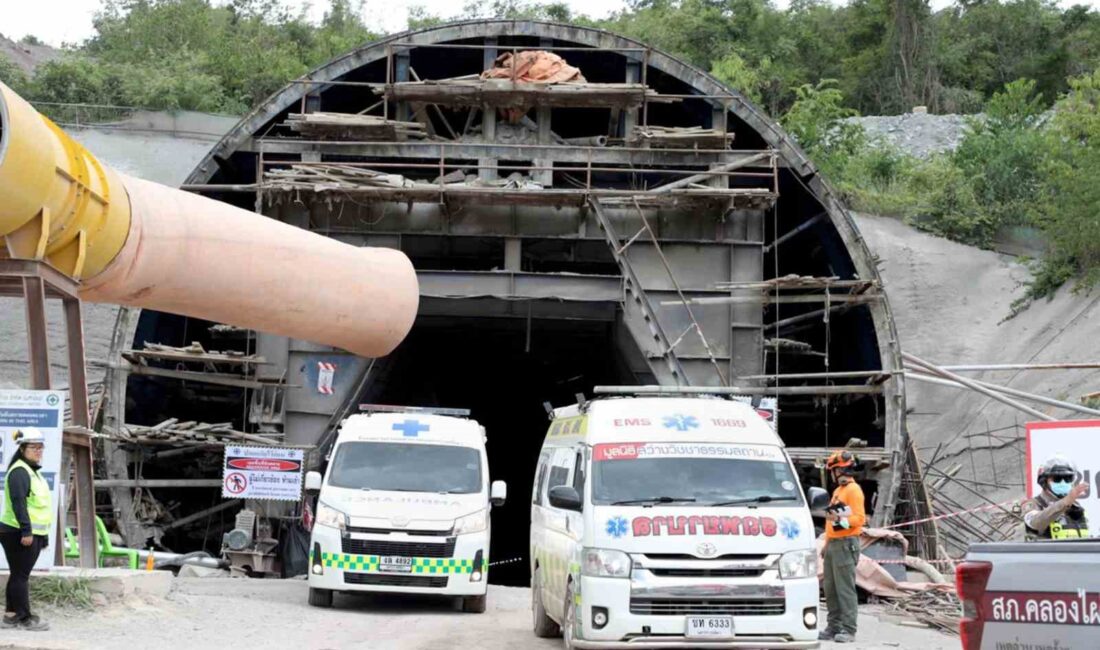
{"type": "Point", "coordinates": [1077, 440]}
{"type": "Point", "coordinates": [44, 410]}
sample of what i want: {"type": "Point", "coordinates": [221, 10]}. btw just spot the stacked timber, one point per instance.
{"type": "Point", "coordinates": [349, 126]}
{"type": "Point", "coordinates": [174, 431]}
{"type": "Point", "coordinates": [318, 177]}
{"type": "Point", "coordinates": [677, 137]}
{"type": "Point", "coordinates": [504, 93]}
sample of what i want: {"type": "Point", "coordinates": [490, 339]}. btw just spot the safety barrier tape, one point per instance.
{"type": "Point", "coordinates": [949, 515]}
{"type": "Point", "coordinates": [513, 560]}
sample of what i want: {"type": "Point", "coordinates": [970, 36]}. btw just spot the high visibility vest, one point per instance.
{"type": "Point", "coordinates": [39, 502]}
{"type": "Point", "coordinates": [1061, 528]}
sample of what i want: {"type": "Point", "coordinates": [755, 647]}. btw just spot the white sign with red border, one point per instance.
{"type": "Point", "coordinates": [1077, 440]}
{"type": "Point", "coordinates": [326, 373]}
{"type": "Point", "coordinates": [262, 473]}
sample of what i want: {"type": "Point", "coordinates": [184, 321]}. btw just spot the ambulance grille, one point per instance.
{"type": "Point", "coordinates": [709, 607]}
{"type": "Point", "coordinates": [707, 573]}
{"type": "Point", "coordinates": [402, 549]}
{"type": "Point", "coordinates": [383, 580]}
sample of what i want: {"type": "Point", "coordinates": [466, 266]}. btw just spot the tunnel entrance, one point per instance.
{"type": "Point", "coordinates": [502, 370]}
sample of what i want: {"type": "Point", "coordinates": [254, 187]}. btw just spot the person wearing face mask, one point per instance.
{"type": "Point", "coordinates": [24, 526]}
{"type": "Point", "coordinates": [1054, 512]}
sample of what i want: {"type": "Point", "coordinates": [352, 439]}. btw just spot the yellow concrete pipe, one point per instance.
{"type": "Point", "coordinates": [135, 243]}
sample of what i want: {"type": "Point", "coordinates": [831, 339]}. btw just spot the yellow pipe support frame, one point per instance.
{"type": "Point", "coordinates": [59, 203]}
{"type": "Point", "coordinates": [135, 243]}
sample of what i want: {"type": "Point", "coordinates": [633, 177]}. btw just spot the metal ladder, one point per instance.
{"type": "Point", "coordinates": [618, 251]}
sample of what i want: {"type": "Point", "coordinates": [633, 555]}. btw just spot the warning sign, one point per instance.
{"type": "Point", "coordinates": [262, 473]}
{"type": "Point", "coordinates": [326, 373]}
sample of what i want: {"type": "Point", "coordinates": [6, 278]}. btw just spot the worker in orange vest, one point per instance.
{"type": "Point", "coordinates": [844, 521]}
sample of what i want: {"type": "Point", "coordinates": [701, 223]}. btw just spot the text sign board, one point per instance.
{"type": "Point", "coordinates": [262, 473]}
{"type": "Point", "coordinates": [44, 410]}
{"type": "Point", "coordinates": [1077, 440]}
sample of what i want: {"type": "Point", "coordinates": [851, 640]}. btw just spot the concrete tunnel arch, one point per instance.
{"type": "Point", "coordinates": [807, 206]}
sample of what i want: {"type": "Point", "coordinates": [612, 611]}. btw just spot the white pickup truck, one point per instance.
{"type": "Point", "coordinates": [1030, 596]}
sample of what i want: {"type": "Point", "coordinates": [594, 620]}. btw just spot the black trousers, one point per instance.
{"type": "Point", "coordinates": [21, 560]}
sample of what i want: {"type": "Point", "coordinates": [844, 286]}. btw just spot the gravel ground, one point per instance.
{"type": "Point", "coordinates": [241, 613]}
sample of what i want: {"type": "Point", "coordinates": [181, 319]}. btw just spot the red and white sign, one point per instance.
{"type": "Point", "coordinates": [1077, 440]}
{"type": "Point", "coordinates": [236, 483]}
{"type": "Point", "coordinates": [326, 373]}
{"type": "Point", "coordinates": [635, 450]}
{"type": "Point", "coordinates": [262, 473]}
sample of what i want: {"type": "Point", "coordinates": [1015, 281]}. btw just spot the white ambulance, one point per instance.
{"type": "Point", "coordinates": [671, 522]}
{"type": "Point", "coordinates": [404, 507]}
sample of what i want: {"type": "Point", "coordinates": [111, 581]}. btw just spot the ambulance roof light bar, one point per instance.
{"type": "Point", "coordinates": [426, 410]}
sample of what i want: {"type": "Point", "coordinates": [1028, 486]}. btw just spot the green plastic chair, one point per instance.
{"type": "Point", "coordinates": [106, 549]}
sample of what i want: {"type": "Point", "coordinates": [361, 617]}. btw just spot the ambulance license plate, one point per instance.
{"type": "Point", "coordinates": [709, 627]}
{"type": "Point", "coordinates": [395, 564]}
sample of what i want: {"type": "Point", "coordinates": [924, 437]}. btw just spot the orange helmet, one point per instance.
{"type": "Point", "coordinates": [840, 460]}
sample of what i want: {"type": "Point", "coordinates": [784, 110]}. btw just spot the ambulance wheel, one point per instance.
{"type": "Point", "coordinates": [569, 618]}
{"type": "Point", "coordinates": [474, 604]}
{"type": "Point", "coordinates": [545, 627]}
{"type": "Point", "coordinates": [320, 597]}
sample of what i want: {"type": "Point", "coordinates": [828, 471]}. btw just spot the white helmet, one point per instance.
{"type": "Point", "coordinates": [29, 435]}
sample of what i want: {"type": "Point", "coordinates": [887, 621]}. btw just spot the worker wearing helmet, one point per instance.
{"type": "Point", "coordinates": [24, 525]}
{"type": "Point", "coordinates": [844, 523]}
{"type": "Point", "coordinates": [1054, 512]}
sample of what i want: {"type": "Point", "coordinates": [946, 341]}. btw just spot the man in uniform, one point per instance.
{"type": "Point", "coordinates": [1054, 513]}
{"type": "Point", "coordinates": [844, 523]}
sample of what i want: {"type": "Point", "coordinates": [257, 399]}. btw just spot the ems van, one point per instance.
{"type": "Point", "coordinates": [404, 507]}
{"type": "Point", "coordinates": [671, 522]}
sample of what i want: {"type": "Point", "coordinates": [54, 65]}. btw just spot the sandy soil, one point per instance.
{"type": "Point", "coordinates": [242, 613]}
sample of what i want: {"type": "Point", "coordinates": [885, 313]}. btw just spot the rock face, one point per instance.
{"type": "Point", "coordinates": [919, 134]}
{"type": "Point", "coordinates": [27, 57]}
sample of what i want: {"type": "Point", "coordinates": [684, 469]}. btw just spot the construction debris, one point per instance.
{"type": "Point", "coordinates": [174, 431]}
{"type": "Point", "coordinates": [347, 126]}
{"type": "Point", "coordinates": [676, 137]}
{"type": "Point", "coordinates": [938, 608]}
{"type": "Point", "coordinates": [533, 66]}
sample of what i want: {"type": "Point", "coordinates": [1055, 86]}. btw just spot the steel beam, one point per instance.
{"type": "Point", "coordinates": [475, 151]}
{"type": "Point", "coordinates": [514, 285]}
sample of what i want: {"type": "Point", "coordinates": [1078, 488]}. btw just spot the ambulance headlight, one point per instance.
{"type": "Point", "coordinates": [798, 564]}
{"type": "Point", "coordinates": [604, 563]}
{"type": "Point", "coordinates": [331, 517]}
{"type": "Point", "coordinates": [474, 523]}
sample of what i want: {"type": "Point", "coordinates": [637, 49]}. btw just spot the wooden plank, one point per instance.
{"type": "Point", "coordinates": [34, 294]}
{"type": "Point", "coordinates": [105, 484]}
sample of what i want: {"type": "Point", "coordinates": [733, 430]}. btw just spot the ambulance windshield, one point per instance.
{"type": "Point", "coordinates": [406, 467]}
{"type": "Point", "coordinates": [698, 473]}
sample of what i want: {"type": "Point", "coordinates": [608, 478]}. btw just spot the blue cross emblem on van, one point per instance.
{"type": "Point", "coordinates": [410, 428]}
{"type": "Point", "coordinates": [681, 422]}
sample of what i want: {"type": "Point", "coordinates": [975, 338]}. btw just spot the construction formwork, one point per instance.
{"type": "Point", "coordinates": [646, 226]}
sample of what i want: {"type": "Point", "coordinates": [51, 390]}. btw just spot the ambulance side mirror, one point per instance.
{"type": "Point", "coordinates": [565, 497]}
{"type": "Point", "coordinates": [313, 481]}
{"type": "Point", "coordinates": [498, 492]}
{"type": "Point", "coordinates": [819, 500]}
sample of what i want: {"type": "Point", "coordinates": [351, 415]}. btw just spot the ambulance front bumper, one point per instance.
{"type": "Point", "coordinates": [654, 612]}
{"type": "Point", "coordinates": [436, 569]}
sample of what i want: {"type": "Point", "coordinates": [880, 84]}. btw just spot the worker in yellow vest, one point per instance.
{"type": "Point", "coordinates": [1055, 512]}
{"type": "Point", "coordinates": [24, 526]}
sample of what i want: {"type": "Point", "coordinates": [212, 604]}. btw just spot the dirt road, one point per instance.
{"type": "Point", "coordinates": [241, 614]}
